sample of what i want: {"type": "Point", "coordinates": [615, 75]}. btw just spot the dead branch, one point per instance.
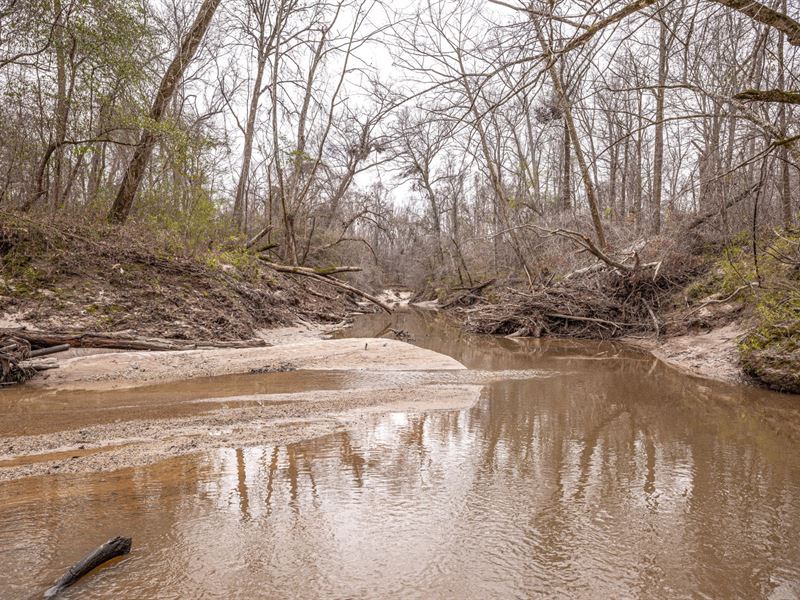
{"type": "Point", "coordinates": [587, 244]}
{"type": "Point", "coordinates": [257, 237]}
{"type": "Point", "coordinates": [587, 319]}
{"type": "Point", "coordinates": [727, 298]}
{"type": "Point", "coordinates": [309, 271]}
{"type": "Point", "coordinates": [729, 204]}
{"type": "Point", "coordinates": [470, 296]}
{"type": "Point", "coordinates": [324, 275]}
{"type": "Point", "coordinates": [114, 547]}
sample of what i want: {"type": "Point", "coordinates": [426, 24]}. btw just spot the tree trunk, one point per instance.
{"type": "Point", "coordinates": [566, 185]}
{"type": "Point", "coordinates": [249, 134]}
{"type": "Point", "coordinates": [133, 175]}
{"type": "Point", "coordinates": [588, 186]}
{"type": "Point", "coordinates": [786, 190]}
{"type": "Point", "coordinates": [658, 151]}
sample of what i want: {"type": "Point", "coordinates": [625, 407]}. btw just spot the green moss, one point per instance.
{"type": "Point", "coordinates": [771, 352]}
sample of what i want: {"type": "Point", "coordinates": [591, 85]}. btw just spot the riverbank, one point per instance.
{"type": "Point", "coordinates": [107, 411]}
{"type": "Point", "coordinates": [710, 311]}
{"type": "Point", "coordinates": [66, 276]}
{"type": "Point", "coordinates": [713, 354]}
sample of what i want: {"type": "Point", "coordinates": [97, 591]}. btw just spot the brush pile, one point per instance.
{"type": "Point", "coordinates": [19, 362]}
{"type": "Point", "coordinates": [603, 301]}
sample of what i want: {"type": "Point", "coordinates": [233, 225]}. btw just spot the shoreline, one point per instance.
{"type": "Point", "coordinates": [128, 409]}
{"type": "Point", "coordinates": [712, 355]}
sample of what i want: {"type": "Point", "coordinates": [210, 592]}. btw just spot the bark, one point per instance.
{"type": "Point", "coordinates": [786, 188]}
{"type": "Point", "coordinates": [768, 16]}
{"type": "Point", "coordinates": [324, 277]}
{"type": "Point", "coordinates": [117, 546]}
{"type": "Point", "coordinates": [613, 168]}
{"type": "Point", "coordinates": [135, 172]}
{"type": "Point", "coordinates": [775, 95]}
{"type": "Point", "coordinates": [658, 151]}
{"type": "Point", "coordinates": [62, 110]}
{"type": "Point", "coordinates": [566, 185]}
{"type": "Point", "coordinates": [247, 153]}
{"type": "Point", "coordinates": [755, 10]}
{"type": "Point", "coordinates": [588, 186]}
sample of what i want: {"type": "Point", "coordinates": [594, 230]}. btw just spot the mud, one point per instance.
{"type": "Point", "coordinates": [101, 412]}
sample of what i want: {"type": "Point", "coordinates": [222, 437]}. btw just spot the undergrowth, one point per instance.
{"type": "Point", "coordinates": [769, 282]}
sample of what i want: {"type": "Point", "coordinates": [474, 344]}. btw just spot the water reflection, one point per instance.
{"type": "Point", "coordinates": [616, 478]}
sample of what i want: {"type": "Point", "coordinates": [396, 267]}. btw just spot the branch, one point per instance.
{"type": "Point", "coordinates": [323, 275]}
{"type": "Point", "coordinates": [587, 244]}
{"type": "Point", "coordinates": [768, 16]}
{"type": "Point", "coordinates": [325, 272]}
{"type": "Point", "coordinates": [775, 95]}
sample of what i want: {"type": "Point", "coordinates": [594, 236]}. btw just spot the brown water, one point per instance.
{"type": "Point", "coordinates": [614, 477]}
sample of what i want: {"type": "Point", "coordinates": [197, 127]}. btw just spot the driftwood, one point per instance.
{"type": "Point", "coordinates": [49, 350]}
{"type": "Point", "coordinates": [120, 341]}
{"type": "Point", "coordinates": [117, 546]}
{"type": "Point", "coordinates": [16, 365]}
{"type": "Point", "coordinates": [470, 296]}
{"type": "Point", "coordinates": [40, 365]}
{"type": "Point", "coordinates": [309, 271]}
{"type": "Point", "coordinates": [325, 276]}
{"type": "Point", "coordinates": [600, 303]}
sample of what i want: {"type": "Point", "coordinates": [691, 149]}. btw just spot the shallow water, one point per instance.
{"type": "Point", "coordinates": [613, 476]}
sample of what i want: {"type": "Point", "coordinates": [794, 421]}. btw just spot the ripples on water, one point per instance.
{"type": "Point", "coordinates": [614, 477]}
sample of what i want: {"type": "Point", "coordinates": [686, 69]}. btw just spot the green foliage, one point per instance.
{"type": "Point", "coordinates": [245, 263]}
{"type": "Point", "coordinates": [771, 352]}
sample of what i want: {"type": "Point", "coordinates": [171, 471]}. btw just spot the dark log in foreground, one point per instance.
{"type": "Point", "coordinates": [117, 546]}
{"type": "Point", "coordinates": [120, 341]}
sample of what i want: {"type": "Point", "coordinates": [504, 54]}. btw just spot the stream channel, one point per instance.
{"type": "Point", "coordinates": [607, 474]}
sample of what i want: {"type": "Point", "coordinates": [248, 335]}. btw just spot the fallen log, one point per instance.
{"type": "Point", "coordinates": [120, 341]}
{"type": "Point", "coordinates": [728, 205]}
{"type": "Point", "coordinates": [324, 275]}
{"type": "Point", "coordinates": [49, 350]}
{"type": "Point", "coordinates": [114, 547]}
{"type": "Point", "coordinates": [40, 365]}
{"type": "Point", "coordinates": [257, 237]}
{"type": "Point", "coordinates": [325, 271]}
{"type": "Point", "coordinates": [470, 294]}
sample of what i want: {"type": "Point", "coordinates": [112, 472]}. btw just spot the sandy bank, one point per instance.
{"type": "Point", "coordinates": [132, 369]}
{"type": "Point", "coordinates": [136, 408]}
{"type": "Point", "coordinates": [251, 421]}
{"type": "Point", "coordinates": [713, 355]}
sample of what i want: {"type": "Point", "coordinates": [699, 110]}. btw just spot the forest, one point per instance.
{"type": "Point", "coordinates": [583, 160]}
{"type": "Point", "coordinates": [423, 299]}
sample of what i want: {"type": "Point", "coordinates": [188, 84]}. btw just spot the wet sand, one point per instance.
{"type": "Point", "coordinates": [107, 411]}
{"type": "Point", "coordinates": [121, 370]}
{"type": "Point", "coordinates": [712, 355]}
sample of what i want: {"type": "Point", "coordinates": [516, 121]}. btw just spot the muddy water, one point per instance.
{"type": "Point", "coordinates": [612, 477]}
